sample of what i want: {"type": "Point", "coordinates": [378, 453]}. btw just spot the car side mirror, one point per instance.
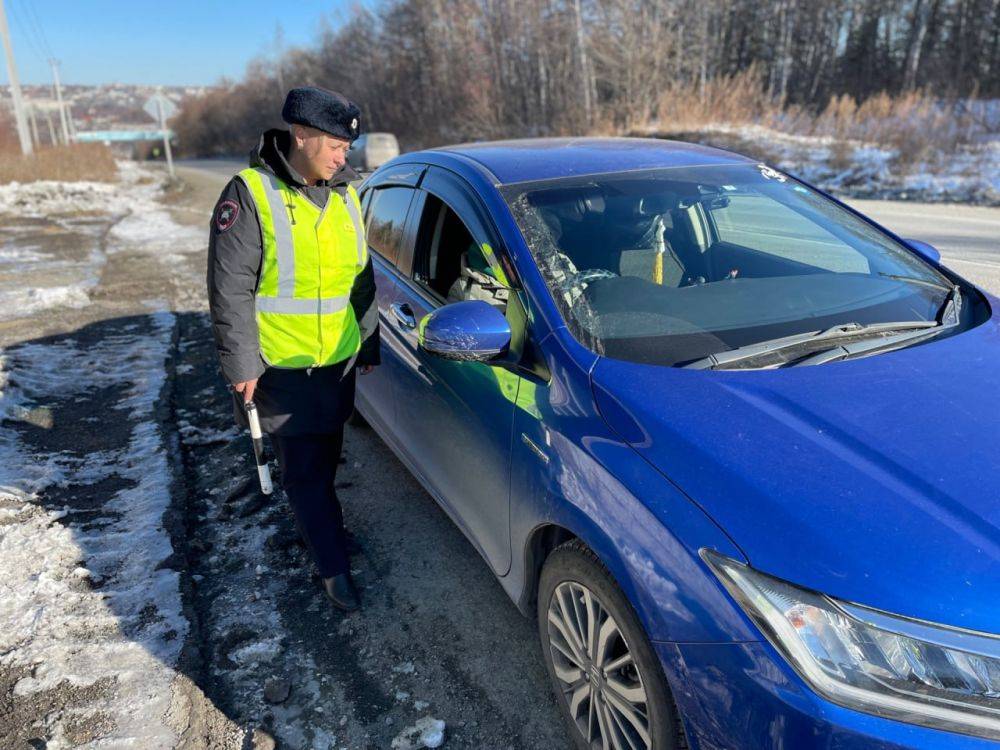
{"type": "Point", "coordinates": [925, 250]}
{"type": "Point", "coordinates": [469, 331]}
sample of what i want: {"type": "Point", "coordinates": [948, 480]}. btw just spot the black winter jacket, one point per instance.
{"type": "Point", "coordinates": [315, 401]}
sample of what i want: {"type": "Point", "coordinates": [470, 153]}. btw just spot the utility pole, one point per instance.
{"type": "Point", "coordinates": [52, 130]}
{"type": "Point", "coordinates": [166, 136]}
{"type": "Point", "coordinates": [34, 125]}
{"type": "Point", "coordinates": [62, 107]}
{"type": "Point", "coordinates": [15, 87]}
{"type": "Point", "coordinates": [69, 120]}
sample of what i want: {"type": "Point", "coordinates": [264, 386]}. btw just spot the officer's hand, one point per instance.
{"type": "Point", "coordinates": [365, 369]}
{"type": "Point", "coordinates": [247, 388]}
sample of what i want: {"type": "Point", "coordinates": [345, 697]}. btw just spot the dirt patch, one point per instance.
{"type": "Point", "coordinates": [25, 720]}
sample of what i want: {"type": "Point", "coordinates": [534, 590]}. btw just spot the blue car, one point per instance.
{"type": "Point", "coordinates": [734, 445]}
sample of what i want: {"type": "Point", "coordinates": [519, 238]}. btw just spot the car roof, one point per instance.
{"type": "Point", "coordinates": [530, 159]}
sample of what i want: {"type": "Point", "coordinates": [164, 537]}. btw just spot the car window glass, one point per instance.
{"type": "Point", "coordinates": [763, 224]}
{"type": "Point", "coordinates": [452, 264]}
{"type": "Point", "coordinates": [387, 217]}
{"type": "Point", "coordinates": [668, 266]}
{"type": "Point", "coordinates": [366, 201]}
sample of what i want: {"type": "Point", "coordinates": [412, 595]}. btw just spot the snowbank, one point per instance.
{"type": "Point", "coordinates": [861, 169]}
{"type": "Point", "coordinates": [34, 277]}
{"type": "Point", "coordinates": [128, 632]}
{"type": "Point", "coordinates": [24, 301]}
{"type": "Point", "coordinates": [134, 200]}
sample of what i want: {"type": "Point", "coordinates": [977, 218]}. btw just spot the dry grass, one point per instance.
{"type": "Point", "coordinates": [739, 99]}
{"type": "Point", "coordinates": [842, 156]}
{"type": "Point", "coordinates": [79, 161]}
{"type": "Point", "coordinates": [917, 126]}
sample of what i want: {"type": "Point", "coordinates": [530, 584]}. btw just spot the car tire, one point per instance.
{"type": "Point", "coordinates": [620, 683]}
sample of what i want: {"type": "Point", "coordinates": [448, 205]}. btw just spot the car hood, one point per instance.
{"type": "Point", "coordinates": [876, 481]}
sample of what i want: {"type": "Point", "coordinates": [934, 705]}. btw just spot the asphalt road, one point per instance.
{"type": "Point", "coordinates": [224, 168]}
{"type": "Point", "coordinates": [967, 236]}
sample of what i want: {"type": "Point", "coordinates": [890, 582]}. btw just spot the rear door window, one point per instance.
{"type": "Point", "coordinates": [387, 211]}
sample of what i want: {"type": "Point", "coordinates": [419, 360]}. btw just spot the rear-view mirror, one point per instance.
{"type": "Point", "coordinates": [471, 331]}
{"type": "Point", "coordinates": [924, 249]}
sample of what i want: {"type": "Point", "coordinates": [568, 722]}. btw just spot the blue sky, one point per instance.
{"type": "Point", "coordinates": [168, 42]}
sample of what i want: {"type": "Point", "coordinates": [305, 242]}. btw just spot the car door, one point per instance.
{"type": "Point", "coordinates": [386, 203]}
{"type": "Point", "coordinates": [455, 417]}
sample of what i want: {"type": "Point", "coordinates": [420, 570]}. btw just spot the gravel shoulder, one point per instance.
{"type": "Point", "coordinates": [437, 636]}
{"type": "Point", "coordinates": [173, 605]}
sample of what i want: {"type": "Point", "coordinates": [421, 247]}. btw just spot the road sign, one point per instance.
{"type": "Point", "coordinates": [100, 136]}
{"type": "Point", "coordinates": [153, 104]}
{"type": "Point", "coordinates": [160, 108]}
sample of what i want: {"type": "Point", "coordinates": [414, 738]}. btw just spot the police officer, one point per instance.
{"type": "Point", "coordinates": [292, 298]}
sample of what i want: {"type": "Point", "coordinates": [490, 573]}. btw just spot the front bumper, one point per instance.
{"type": "Point", "coordinates": [743, 695]}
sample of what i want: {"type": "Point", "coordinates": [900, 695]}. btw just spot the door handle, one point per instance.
{"type": "Point", "coordinates": [403, 314]}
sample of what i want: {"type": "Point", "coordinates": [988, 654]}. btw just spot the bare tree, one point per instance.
{"type": "Point", "coordinates": [447, 70]}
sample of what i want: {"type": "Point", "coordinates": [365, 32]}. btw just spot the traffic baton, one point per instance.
{"type": "Point", "coordinates": [258, 448]}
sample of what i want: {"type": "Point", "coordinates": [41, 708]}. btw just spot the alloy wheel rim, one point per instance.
{"type": "Point", "coordinates": [596, 670]}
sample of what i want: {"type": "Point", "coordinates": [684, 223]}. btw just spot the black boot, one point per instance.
{"type": "Point", "coordinates": [340, 590]}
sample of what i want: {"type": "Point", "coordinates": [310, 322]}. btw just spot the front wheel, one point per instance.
{"type": "Point", "coordinates": [607, 679]}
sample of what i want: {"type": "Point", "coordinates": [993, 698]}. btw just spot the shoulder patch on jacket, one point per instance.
{"type": "Point", "coordinates": [225, 214]}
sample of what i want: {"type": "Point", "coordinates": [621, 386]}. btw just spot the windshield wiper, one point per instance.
{"type": "Point", "coordinates": [951, 309]}
{"type": "Point", "coordinates": [949, 316]}
{"type": "Point", "coordinates": [751, 351]}
{"type": "Point", "coordinates": [915, 280]}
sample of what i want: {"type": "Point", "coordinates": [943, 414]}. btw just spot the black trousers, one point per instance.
{"type": "Point", "coordinates": [308, 471]}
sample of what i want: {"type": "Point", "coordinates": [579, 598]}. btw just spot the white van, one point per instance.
{"type": "Point", "coordinates": [372, 150]}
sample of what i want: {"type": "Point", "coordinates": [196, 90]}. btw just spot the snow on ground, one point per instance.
{"type": "Point", "coordinates": [426, 732]}
{"type": "Point", "coordinates": [865, 170]}
{"type": "Point", "coordinates": [23, 302]}
{"type": "Point", "coordinates": [146, 224]}
{"type": "Point", "coordinates": [133, 197]}
{"type": "Point", "coordinates": [126, 634]}
{"type": "Point", "coordinates": [33, 278]}
{"type": "Point", "coordinates": [47, 197]}
{"type": "Point", "coordinates": [91, 619]}
{"type": "Point", "coordinates": [25, 254]}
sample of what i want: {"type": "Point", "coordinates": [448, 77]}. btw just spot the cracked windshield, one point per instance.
{"type": "Point", "coordinates": [669, 266]}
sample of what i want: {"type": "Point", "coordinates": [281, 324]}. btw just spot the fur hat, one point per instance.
{"type": "Point", "coordinates": [324, 110]}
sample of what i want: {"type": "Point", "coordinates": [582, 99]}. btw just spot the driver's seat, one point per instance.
{"type": "Point", "coordinates": [475, 283]}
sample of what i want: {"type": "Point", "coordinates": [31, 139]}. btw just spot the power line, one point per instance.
{"type": "Point", "coordinates": [41, 29]}
{"type": "Point", "coordinates": [28, 37]}
{"type": "Point", "coordinates": [15, 87]}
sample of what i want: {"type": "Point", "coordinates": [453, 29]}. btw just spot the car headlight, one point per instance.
{"type": "Point", "coordinates": [871, 661]}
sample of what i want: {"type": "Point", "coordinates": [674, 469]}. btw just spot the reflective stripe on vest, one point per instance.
{"type": "Point", "coordinates": [310, 260]}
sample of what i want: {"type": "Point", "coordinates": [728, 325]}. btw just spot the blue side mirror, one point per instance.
{"type": "Point", "coordinates": [927, 251]}
{"type": "Point", "coordinates": [471, 331]}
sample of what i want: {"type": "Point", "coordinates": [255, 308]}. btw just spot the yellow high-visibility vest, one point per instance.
{"type": "Point", "coordinates": [311, 258]}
